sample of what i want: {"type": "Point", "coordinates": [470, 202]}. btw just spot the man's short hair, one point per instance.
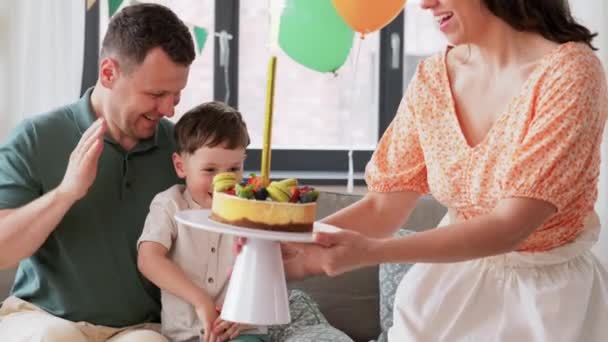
{"type": "Point", "coordinates": [211, 124]}
{"type": "Point", "coordinates": [137, 29]}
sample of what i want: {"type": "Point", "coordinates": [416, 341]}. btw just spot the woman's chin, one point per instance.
{"type": "Point", "coordinates": [455, 40]}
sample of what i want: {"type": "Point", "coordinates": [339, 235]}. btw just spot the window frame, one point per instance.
{"type": "Point", "coordinates": [90, 68]}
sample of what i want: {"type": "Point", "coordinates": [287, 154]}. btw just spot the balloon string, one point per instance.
{"type": "Point", "coordinates": [350, 184]}
{"type": "Point", "coordinates": [356, 63]}
{"type": "Point", "coordinates": [224, 39]}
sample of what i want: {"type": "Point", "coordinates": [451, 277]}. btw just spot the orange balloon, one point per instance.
{"type": "Point", "coordinates": [367, 16]}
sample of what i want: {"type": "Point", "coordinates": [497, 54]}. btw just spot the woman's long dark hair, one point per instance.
{"type": "Point", "coordinates": [551, 18]}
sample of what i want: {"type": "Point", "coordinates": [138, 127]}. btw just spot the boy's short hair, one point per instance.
{"type": "Point", "coordinates": [211, 124]}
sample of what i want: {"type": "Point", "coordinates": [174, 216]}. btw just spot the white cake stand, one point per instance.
{"type": "Point", "coordinates": [257, 291]}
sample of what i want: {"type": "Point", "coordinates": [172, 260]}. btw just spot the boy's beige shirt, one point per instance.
{"type": "Point", "coordinates": [205, 257]}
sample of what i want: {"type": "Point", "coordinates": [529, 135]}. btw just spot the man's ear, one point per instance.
{"type": "Point", "coordinates": [108, 72]}
{"type": "Point", "coordinates": [178, 164]}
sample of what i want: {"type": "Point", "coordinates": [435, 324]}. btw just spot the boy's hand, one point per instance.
{"type": "Point", "coordinates": [228, 330]}
{"type": "Point", "coordinates": [208, 315]}
{"type": "Point", "coordinates": [239, 242]}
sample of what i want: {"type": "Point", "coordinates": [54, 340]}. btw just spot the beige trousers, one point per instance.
{"type": "Point", "coordinates": [21, 321]}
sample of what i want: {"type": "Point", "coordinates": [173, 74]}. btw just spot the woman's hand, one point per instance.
{"type": "Point", "coordinates": [226, 331]}
{"type": "Point", "coordinates": [208, 315]}
{"type": "Point", "coordinates": [296, 258]}
{"type": "Point", "coordinates": [301, 260]}
{"type": "Point", "coordinates": [345, 251]}
{"type": "Point", "coordinates": [333, 254]}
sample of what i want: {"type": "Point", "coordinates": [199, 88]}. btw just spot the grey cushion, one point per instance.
{"type": "Point", "coordinates": [307, 323]}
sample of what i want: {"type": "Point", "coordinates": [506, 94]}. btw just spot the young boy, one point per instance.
{"type": "Point", "coordinates": [192, 266]}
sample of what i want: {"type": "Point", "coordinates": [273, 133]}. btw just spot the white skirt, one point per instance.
{"type": "Point", "coordinates": [558, 295]}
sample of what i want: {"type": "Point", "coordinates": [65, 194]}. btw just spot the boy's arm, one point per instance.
{"type": "Point", "coordinates": [153, 262]}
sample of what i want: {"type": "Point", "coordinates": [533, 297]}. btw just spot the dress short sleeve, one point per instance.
{"type": "Point", "coordinates": [398, 162]}
{"type": "Point", "coordinates": [557, 159]}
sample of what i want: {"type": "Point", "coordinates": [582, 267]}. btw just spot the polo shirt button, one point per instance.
{"type": "Point", "coordinates": [212, 249]}
{"type": "Point", "coordinates": [128, 184]}
{"type": "Point", "coordinates": [210, 280]}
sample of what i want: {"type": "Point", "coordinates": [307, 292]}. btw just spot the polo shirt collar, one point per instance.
{"type": "Point", "coordinates": [83, 113]}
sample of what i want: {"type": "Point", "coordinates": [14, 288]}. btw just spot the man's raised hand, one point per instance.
{"type": "Point", "coordinates": [82, 166]}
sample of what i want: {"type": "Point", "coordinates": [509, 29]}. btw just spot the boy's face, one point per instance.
{"type": "Point", "coordinates": [200, 167]}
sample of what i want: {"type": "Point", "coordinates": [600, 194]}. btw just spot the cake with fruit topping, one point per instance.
{"type": "Point", "coordinates": [281, 206]}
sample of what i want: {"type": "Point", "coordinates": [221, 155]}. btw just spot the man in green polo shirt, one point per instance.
{"type": "Point", "coordinates": [75, 186]}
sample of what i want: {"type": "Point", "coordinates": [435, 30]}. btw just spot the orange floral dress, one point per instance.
{"type": "Point", "coordinates": [544, 146]}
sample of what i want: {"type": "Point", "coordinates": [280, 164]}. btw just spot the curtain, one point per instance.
{"type": "Point", "coordinates": [41, 57]}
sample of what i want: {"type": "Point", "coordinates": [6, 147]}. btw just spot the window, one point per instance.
{"type": "Point", "coordinates": [312, 110]}
{"type": "Point", "coordinates": [318, 118]}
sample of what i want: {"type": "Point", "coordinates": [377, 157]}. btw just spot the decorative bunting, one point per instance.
{"type": "Point", "coordinates": [199, 33]}
{"type": "Point", "coordinates": [113, 6]}
{"type": "Point", "coordinates": [200, 37]}
{"type": "Point", "coordinates": [90, 4]}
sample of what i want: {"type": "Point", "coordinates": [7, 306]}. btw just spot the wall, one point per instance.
{"type": "Point", "coordinates": [41, 52]}
{"type": "Point", "coordinates": [5, 122]}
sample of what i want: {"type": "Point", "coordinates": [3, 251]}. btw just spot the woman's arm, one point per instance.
{"type": "Point", "coordinates": [500, 231]}
{"type": "Point", "coordinates": [378, 214]}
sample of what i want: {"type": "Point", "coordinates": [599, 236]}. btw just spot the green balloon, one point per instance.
{"type": "Point", "coordinates": [313, 34]}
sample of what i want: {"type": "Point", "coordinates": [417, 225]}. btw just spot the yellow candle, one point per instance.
{"type": "Point", "coordinates": [265, 169]}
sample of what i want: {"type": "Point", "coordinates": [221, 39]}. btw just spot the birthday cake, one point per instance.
{"type": "Point", "coordinates": [281, 206]}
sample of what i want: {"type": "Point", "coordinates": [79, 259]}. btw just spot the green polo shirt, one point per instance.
{"type": "Point", "coordinates": [87, 268]}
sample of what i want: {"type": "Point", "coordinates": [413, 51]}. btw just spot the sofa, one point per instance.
{"type": "Point", "coordinates": [358, 303]}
